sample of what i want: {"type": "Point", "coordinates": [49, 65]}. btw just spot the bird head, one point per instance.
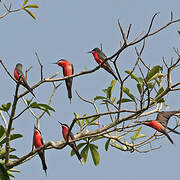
{"type": "Point", "coordinates": [95, 50]}
{"type": "Point", "coordinates": [146, 122]}
{"type": "Point", "coordinates": [62, 62]}
{"type": "Point", "coordinates": [64, 125]}
{"type": "Point", "coordinates": [36, 130]}
{"type": "Point", "coordinates": [19, 66]}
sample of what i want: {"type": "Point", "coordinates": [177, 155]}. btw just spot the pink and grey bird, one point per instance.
{"type": "Point", "coordinates": [19, 76]}
{"type": "Point", "coordinates": [65, 129]}
{"type": "Point", "coordinates": [160, 124]}
{"type": "Point", "coordinates": [99, 57]}
{"type": "Point", "coordinates": [38, 142]}
{"type": "Point", "coordinates": [67, 71]}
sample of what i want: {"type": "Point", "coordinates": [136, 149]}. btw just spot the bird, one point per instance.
{"type": "Point", "coordinates": [160, 124]}
{"type": "Point", "coordinates": [99, 57]}
{"type": "Point", "coordinates": [68, 70]}
{"type": "Point", "coordinates": [19, 76]}
{"type": "Point", "coordinates": [65, 129]}
{"type": "Point", "coordinates": [38, 142]}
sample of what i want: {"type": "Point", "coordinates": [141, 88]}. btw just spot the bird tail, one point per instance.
{"type": "Point", "coordinates": [41, 155]}
{"type": "Point", "coordinates": [74, 147]}
{"type": "Point", "coordinates": [28, 88]}
{"type": "Point", "coordinates": [173, 130]}
{"type": "Point", "coordinates": [167, 135]}
{"type": "Point", "coordinates": [69, 85]}
{"type": "Point", "coordinates": [78, 155]}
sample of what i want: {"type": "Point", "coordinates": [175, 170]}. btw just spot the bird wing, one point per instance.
{"type": "Point", "coordinates": [33, 141]}
{"type": "Point", "coordinates": [102, 55]}
{"type": "Point", "coordinates": [71, 135]}
{"type": "Point", "coordinates": [72, 68]}
{"type": "Point", "coordinates": [20, 73]}
{"type": "Point", "coordinates": [164, 116]}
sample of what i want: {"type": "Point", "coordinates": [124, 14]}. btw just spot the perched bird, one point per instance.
{"type": "Point", "coordinates": [38, 142]}
{"type": "Point", "coordinates": [19, 76]}
{"type": "Point", "coordinates": [99, 56]}
{"type": "Point", "coordinates": [65, 129]}
{"type": "Point", "coordinates": [160, 124]}
{"type": "Point", "coordinates": [67, 71]}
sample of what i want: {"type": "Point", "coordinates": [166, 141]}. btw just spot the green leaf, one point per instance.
{"type": "Point", "coordinates": [14, 170]}
{"type": "Point", "coordinates": [157, 75]}
{"type": "Point", "coordinates": [136, 133]}
{"type": "Point", "coordinates": [110, 89]}
{"type": "Point", "coordinates": [77, 116]}
{"type": "Point", "coordinates": [13, 157]}
{"type": "Point", "coordinates": [79, 146]}
{"type": "Point", "coordinates": [25, 2]}
{"type": "Point", "coordinates": [3, 173]}
{"type": "Point", "coordinates": [140, 136]}
{"type": "Point", "coordinates": [45, 106]}
{"type": "Point", "coordinates": [10, 174]}
{"type": "Point", "coordinates": [5, 107]}
{"type": "Point", "coordinates": [178, 32]}
{"type": "Point", "coordinates": [32, 6]}
{"type": "Point", "coordinates": [94, 146]}
{"type": "Point", "coordinates": [152, 72]}
{"type": "Point", "coordinates": [95, 155]}
{"type": "Point", "coordinates": [84, 154]}
{"type": "Point", "coordinates": [133, 76]}
{"type": "Point", "coordinates": [107, 144]}
{"type": "Point", "coordinates": [113, 100]}
{"type": "Point", "coordinates": [2, 132]}
{"type": "Point", "coordinates": [99, 97]}
{"type": "Point", "coordinates": [12, 137]}
{"type": "Point", "coordinates": [158, 93]}
{"type": "Point", "coordinates": [94, 118]}
{"type": "Point", "coordinates": [119, 147]}
{"type": "Point", "coordinates": [3, 152]}
{"type": "Point", "coordinates": [139, 87]}
{"type": "Point", "coordinates": [30, 13]}
{"type": "Point", "coordinates": [127, 91]}
{"type": "Point", "coordinates": [96, 138]}
{"type": "Point", "coordinates": [125, 100]}
{"type": "Point", "coordinates": [29, 101]}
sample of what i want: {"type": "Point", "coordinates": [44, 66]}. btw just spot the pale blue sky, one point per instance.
{"type": "Point", "coordinates": [68, 29]}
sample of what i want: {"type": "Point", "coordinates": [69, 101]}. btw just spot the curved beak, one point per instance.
{"type": "Point", "coordinates": [60, 123]}
{"type": "Point", "coordinates": [89, 51]}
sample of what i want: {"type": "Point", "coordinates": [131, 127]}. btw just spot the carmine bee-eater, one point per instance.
{"type": "Point", "coordinates": [99, 56]}
{"type": "Point", "coordinates": [160, 124]}
{"type": "Point", "coordinates": [38, 142]}
{"type": "Point", "coordinates": [67, 71]}
{"type": "Point", "coordinates": [19, 76]}
{"type": "Point", "coordinates": [65, 129]}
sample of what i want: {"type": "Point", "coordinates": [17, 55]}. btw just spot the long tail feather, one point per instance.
{"type": "Point", "coordinates": [42, 157]}
{"type": "Point", "coordinates": [167, 135]}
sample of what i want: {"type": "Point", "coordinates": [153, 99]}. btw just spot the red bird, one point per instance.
{"type": "Point", "coordinates": [38, 142]}
{"type": "Point", "coordinates": [67, 71]}
{"type": "Point", "coordinates": [99, 56]}
{"type": "Point", "coordinates": [160, 124]}
{"type": "Point", "coordinates": [19, 76]}
{"type": "Point", "coordinates": [65, 129]}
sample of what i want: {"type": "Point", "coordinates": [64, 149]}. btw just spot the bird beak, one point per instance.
{"type": "Point", "coordinates": [89, 51]}
{"type": "Point", "coordinates": [35, 127]}
{"type": "Point", "coordinates": [60, 123]}
{"type": "Point", "coordinates": [54, 63]}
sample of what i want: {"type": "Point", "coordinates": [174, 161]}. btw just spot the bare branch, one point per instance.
{"type": "Point", "coordinates": [40, 65]}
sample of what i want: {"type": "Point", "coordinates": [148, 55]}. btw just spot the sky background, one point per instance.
{"type": "Point", "coordinates": [68, 29]}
